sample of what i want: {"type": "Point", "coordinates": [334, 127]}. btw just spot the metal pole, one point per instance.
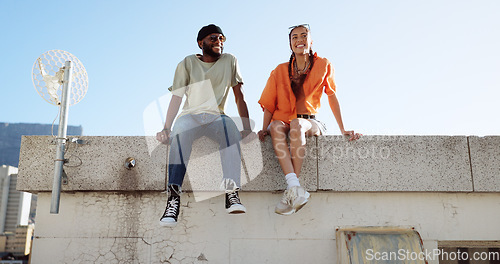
{"type": "Point", "coordinates": [61, 138]}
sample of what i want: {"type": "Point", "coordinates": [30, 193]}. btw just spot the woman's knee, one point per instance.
{"type": "Point", "coordinates": [296, 128]}
{"type": "Point", "coordinates": [277, 128]}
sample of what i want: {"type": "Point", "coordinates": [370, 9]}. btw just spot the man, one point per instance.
{"type": "Point", "coordinates": [205, 79]}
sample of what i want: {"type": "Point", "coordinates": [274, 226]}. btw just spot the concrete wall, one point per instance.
{"type": "Point", "coordinates": [447, 188]}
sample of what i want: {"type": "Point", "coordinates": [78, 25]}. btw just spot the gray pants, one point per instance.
{"type": "Point", "coordinates": [219, 128]}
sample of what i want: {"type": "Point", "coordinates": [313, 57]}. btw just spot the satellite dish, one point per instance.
{"type": "Point", "coordinates": [48, 72]}
{"type": "Point", "coordinates": [60, 79]}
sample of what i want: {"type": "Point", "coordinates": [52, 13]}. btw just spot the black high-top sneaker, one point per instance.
{"type": "Point", "coordinates": [233, 203]}
{"type": "Point", "coordinates": [171, 213]}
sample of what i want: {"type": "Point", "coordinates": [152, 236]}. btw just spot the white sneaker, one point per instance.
{"type": "Point", "coordinates": [299, 197]}
{"type": "Point", "coordinates": [284, 207]}
{"type": "Point", "coordinates": [168, 221]}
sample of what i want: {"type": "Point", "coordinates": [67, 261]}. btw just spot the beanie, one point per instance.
{"type": "Point", "coordinates": [207, 30]}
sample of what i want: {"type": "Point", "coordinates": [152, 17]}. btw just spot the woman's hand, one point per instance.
{"type": "Point", "coordinates": [262, 134]}
{"type": "Point", "coordinates": [352, 136]}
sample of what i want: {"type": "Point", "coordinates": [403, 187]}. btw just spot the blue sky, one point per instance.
{"type": "Point", "coordinates": [402, 67]}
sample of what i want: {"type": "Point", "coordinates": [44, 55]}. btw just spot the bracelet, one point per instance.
{"type": "Point", "coordinates": [166, 129]}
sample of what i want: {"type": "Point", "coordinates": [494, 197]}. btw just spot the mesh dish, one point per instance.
{"type": "Point", "coordinates": [48, 73]}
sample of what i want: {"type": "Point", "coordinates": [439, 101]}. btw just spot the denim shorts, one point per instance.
{"type": "Point", "coordinates": [321, 125]}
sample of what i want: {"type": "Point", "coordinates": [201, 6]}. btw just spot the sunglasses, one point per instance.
{"type": "Point", "coordinates": [214, 38]}
{"type": "Point", "coordinates": [301, 25]}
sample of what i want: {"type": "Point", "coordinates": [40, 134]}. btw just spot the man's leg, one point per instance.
{"type": "Point", "coordinates": [225, 132]}
{"type": "Point", "coordinates": [185, 131]}
{"type": "Point", "coordinates": [183, 134]}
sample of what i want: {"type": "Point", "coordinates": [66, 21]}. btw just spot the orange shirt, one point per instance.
{"type": "Point", "coordinates": [278, 97]}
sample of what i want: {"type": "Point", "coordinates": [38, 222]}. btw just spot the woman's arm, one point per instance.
{"type": "Point", "coordinates": [335, 106]}
{"type": "Point", "coordinates": [265, 123]}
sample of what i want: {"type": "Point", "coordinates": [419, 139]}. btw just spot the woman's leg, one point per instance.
{"type": "Point", "coordinates": [295, 197]}
{"type": "Point", "coordinates": [279, 131]}
{"type": "Point", "coordinates": [299, 129]}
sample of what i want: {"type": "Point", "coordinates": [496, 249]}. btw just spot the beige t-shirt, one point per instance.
{"type": "Point", "coordinates": [206, 85]}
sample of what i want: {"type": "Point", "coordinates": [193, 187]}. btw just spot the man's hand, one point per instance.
{"type": "Point", "coordinates": [247, 136]}
{"type": "Point", "coordinates": [352, 136]}
{"type": "Point", "coordinates": [163, 136]}
{"type": "Point", "coordinates": [262, 134]}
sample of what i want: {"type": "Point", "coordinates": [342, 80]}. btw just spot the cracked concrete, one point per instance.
{"type": "Point", "coordinates": [113, 227]}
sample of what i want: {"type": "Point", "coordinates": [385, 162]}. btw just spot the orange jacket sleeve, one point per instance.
{"type": "Point", "coordinates": [329, 82]}
{"type": "Point", "coordinates": [269, 95]}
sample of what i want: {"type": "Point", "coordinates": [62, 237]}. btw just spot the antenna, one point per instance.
{"type": "Point", "coordinates": [60, 79]}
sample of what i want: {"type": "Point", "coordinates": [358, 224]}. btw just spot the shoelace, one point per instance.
{"type": "Point", "coordinates": [287, 197]}
{"type": "Point", "coordinates": [233, 198]}
{"type": "Point", "coordinates": [172, 207]}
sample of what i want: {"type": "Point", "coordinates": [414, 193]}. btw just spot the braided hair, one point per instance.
{"type": "Point", "coordinates": [297, 85]}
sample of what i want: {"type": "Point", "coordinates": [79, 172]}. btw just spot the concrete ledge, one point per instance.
{"type": "Point", "coordinates": [403, 163]}
{"type": "Point", "coordinates": [96, 165]}
{"type": "Point", "coordinates": [485, 157]}
{"type": "Point", "coordinates": [373, 163]}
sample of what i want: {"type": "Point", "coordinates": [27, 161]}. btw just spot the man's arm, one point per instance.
{"type": "Point", "coordinates": [243, 112]}
{"type": "Point", "coordinates": [173, 108]}
{"type": "Point", "coordinates": [242, 106]}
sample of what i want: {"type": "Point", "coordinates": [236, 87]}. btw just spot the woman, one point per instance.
{"type": "Point", "coordinates": [290, 101]}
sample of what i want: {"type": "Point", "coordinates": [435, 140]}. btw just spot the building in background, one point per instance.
{"type": "Point", "coordinates": [15, 206]}
{"type": "Point", "coordinates": [18, 209]}
{"type": "Point", "coordinates": [19, 242]}
{"type": "Point", "coordinates": [16, 214]}
{"type": "Point", "coordinates": [10, 138]}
